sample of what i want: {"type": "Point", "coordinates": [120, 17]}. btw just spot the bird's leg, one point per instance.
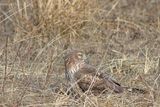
{"type": "Point", "coordinates": [78, 91]}
{"type": "Point", "coordinates": [74, 89]}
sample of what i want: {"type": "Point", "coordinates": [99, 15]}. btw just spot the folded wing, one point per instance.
{"type": "Point", "coordinates": [88, 77]}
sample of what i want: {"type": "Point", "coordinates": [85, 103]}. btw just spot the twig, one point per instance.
{"type": "Point", "coordinates": [6, 64]}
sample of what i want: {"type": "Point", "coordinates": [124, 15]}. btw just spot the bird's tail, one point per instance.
{"type": "Point", "coordinates": [135, 90]}
{"type": "Point", "coordinates": [116, 87]}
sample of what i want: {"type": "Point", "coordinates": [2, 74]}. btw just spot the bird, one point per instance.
{"type": "Point", "coordinates": [81, 75]}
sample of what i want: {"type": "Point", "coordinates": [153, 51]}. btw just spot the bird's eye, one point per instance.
{"type": "Point", "coordinates": [80, 55]}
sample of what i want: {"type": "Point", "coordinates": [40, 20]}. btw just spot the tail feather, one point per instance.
{"type": "Point", "coordinates": [136, 90]}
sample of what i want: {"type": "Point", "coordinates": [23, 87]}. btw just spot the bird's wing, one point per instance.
{"type": "Point", "coordinates": [100, 77]}
{"type": "Point", "coordinates": [111, 83]}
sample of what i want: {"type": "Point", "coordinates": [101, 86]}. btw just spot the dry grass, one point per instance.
{"type": "Point", "coordinates": [119, 36]}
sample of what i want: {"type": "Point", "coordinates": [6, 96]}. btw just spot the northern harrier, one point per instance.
{"type": "Point", "coordinates": [85, 76]}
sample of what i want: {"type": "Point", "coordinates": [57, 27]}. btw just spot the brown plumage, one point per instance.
{"type": "Point", "coordinates": [87, 77]}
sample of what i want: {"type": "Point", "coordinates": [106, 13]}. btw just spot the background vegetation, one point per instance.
{"type": "Point", "coordinates": [121, 37]}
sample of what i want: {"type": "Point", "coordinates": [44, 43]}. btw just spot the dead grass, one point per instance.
{"type": "Point", "coordinates": [119, 37]}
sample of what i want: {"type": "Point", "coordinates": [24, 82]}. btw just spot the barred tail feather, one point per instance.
{"type": "Point", "coordinates": [136, 90]}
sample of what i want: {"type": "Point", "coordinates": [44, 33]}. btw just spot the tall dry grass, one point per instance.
{"type": "Point", "coordinates": [119, 37]}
